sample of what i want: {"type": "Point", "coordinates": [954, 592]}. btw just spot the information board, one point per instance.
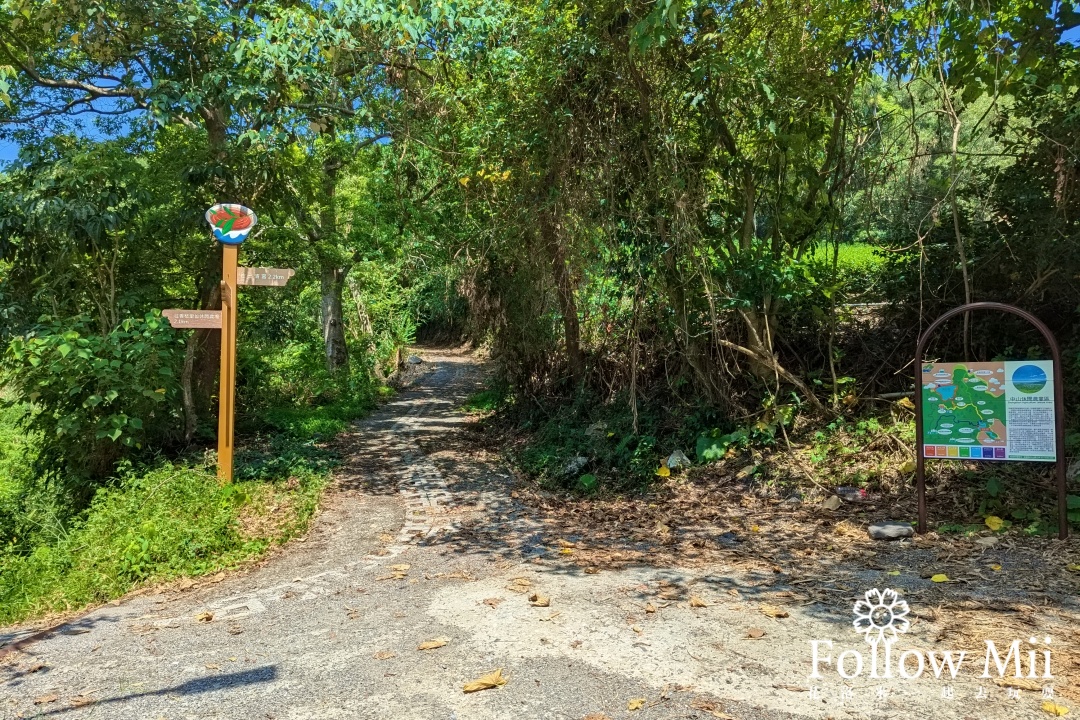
{"type": "Point", "coordinates": [989, 411]}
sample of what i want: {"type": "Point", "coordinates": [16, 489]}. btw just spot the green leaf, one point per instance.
{"type": "Point", "coordinates": [64, 349]}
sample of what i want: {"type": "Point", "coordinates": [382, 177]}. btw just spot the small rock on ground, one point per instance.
{"type": "Point", "coordinates": [890, 530]}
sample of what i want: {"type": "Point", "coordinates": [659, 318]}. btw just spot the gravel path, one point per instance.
{"type": "Point", "coordinates": [329, 627]}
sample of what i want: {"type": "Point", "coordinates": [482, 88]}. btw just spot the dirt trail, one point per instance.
{"type": "Point", "coordinates": [329, 627]}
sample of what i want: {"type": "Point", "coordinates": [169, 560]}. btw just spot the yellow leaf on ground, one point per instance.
{"type": "Point", "coordinates": [906, 403]}
{"type": "Point", "coordinates": [81, 701]}
{"type": "Point", "coordinates": [940, 577]}
{"type": "Point", "coordinates": [995, 567]}
{"type": "Point", "coordinates": [464, 181]}
{"type": "Point", "coordinates": [755, 528]}
{"type": "Point", "coordinates": [432, 644]}
{"type": "Point", "coordinates": [635, 704]}
{"type": "Point", "coordinates": [650, 608]}
{"type": "Point", "coordinates": [909, 466]}
{"type": "Point", "coordinates": [663, 471]}
{"type": "Point", "coordinates": [773, 611]}
{"type": "Point", "coordinates": [893, 572]}
{"type": "Point", "coordinates": [205, 616]}
{"type": "Point", "coordinates": [697, 602]}
{"type": "Point", "coordinates": [566, 551]}
{"type": "Point", "coordinates": [1075, 567]}
{"type": "Point", "coordinates": [1052, 708]}
{"type": "Point", "coordinates": [538, 600]}
{"type": "Point", "coordinates": [994, 522]}
{"type": "Point", "coordinates": [403, 567]}
{"type": "Point", "coordinates": [493, 679]}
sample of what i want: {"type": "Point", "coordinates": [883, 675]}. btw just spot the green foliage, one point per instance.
{"type": "Point", "coordinates": [714, 445]}
{"type": "Point", "coordinates": [487, 401]}
{"type": "Point", "coordinates": [95, 397]}
{"type": "Point", "coordinates": [163, 523]}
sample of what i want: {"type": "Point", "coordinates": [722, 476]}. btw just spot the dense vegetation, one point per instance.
{"type": "Point", "coordinates": [675, 223]}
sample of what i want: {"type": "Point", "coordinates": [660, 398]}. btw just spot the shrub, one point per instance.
{"type": "Point", "coordinates": [95, 397]}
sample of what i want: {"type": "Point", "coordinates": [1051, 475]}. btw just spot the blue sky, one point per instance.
{"type": "Point", "coordinates": [9, 150]}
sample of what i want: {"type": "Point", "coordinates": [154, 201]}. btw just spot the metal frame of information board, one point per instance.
{"type": "Point", "coordinates": [1059, 405]}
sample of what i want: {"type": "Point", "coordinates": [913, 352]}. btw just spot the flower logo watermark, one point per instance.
{"type": "Point", "coordinates": [881, 616]}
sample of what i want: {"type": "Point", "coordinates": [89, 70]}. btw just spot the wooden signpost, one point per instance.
{"type": "Point", "coordinates": [274, 277]}
{"type": "Point", "coordinates": [193, 318]}
{"type": "Point", "coordinates": [231, 225]}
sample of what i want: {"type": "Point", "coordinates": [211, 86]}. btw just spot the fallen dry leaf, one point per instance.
{"type": "Point", "coordinates": [754, 633]}
{"type": "Point", "coordinates": [45, 699]}
{"type": "Point", "coordinates": [218, 578]}
{"type": "Point", "coordinates": [520, 585]}
{"type": "Point", "coordinates": [493, 602]}
{"type": "Point", "coordinates": [36, 667]}
{"type": "Point", "coordinates": [550, 617]}
{"type": "Point", "coordinates": [566, 551]}
{"type": "Point", "coordinates": [773, 611]}
{"type": "Point", "coordinates": [1052, 708]}
{"type": "Point", "coordinates": [1018, 683]}
{"type": "Point", "coordinates": [635, 704]}
{"type": "Point", "coordinates": [493, 679]}
{"type": "Point", "coordinates": [383, 655]}
{"type": "Point", "coordinates": [650, 608]}
{"type": "Point", "coordinates": [213, 666]}
{"type": "Point", "coordinates": [81, 701]}
{"type": "Point", "coordinates": [205, 617]}
{"type": "Point", "coordinates": [538, 600]}
{"type": "Point", "coordinates": [711, 707]}
{"type": "Point", "coordinates": [432, 644]}
{"type": "Point", "coordinates": [696, 602]}
{"type": "Point", "coordinates": [994, 522]}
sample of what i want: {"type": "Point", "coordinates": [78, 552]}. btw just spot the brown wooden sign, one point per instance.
{"type": "Point", "coordinates": [193, 318]}
{"type": "Point", "coordinates": [276, 277]}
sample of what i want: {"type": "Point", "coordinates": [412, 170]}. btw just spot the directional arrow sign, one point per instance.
{"type": "Point", "coordinates": [193, 318]}
{"type": "Point", "coordinates": [276, 277]}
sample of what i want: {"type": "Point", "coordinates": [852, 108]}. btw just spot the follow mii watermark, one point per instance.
{"type": "Point", "coordinates": [882, 617]}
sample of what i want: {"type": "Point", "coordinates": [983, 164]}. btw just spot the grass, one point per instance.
{"type": "Point", "coordinates": [161, 520]}
{"type": "Point", "coordinates": [852, 257]}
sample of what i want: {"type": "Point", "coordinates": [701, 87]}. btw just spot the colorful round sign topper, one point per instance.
{"type": "Point", "coordinates": [231, 223]}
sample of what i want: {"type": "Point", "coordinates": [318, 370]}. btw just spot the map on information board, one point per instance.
{"type": "Point", "coordinates": [989, 411]}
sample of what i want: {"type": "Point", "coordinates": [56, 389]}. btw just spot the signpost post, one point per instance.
{"type": "Point", "coordinates": [231, 225]}
{"type": "Point", "coordinates": [990, 411]}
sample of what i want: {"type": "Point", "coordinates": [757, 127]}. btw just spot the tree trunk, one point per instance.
{"type": "Point", "coordinates": [332, 280]}
{"type": "Point", "coordinates": [564, 289]}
